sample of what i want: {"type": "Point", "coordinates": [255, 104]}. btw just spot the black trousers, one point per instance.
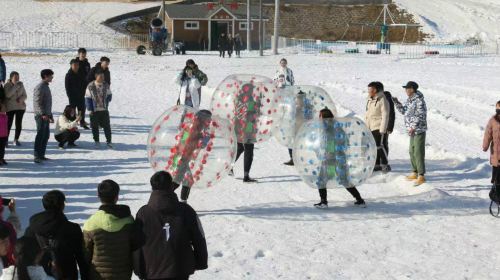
{"type": "Point", "coordinates": [18, 115]}
{"type": "Point", "coordinates": [382, 144]}
{"type": "Point", "coordinates": [248, 149]}
{"type": "Point", "coordinates": [222, 53]}
{"type": "Point", "coordinates": [237, 52]}
{"type": "Point", "coordinates": [100, 119]}
{"type": "Point", "coordinates": [3, 144]}
{"type": "Point", "coordinates": [353, 191]}
{"type": "Point", "coordinates": [67, 136]}
{"type": "Point", "coordinates": [495, 175]}
{"type": "Point", "coordinates": [290, 152]}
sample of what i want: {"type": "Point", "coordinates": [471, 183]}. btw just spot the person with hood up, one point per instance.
{"type": "Point", "coordinates": [202, 77]}
{"type": "Point", "coordinates": [173, 244]}
{"type": "Point", "coordinates": [189, 88]}
{"type": "Point", "coordinates": [110, 237]}
{"type": "Point", "coordinates": [62, 238]}
{"type": "Point", "coordinates": [415, 115]}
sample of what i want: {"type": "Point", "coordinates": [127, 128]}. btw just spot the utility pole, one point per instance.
{"type": "Point", "coordinates": [249, 27]}
{"type": "Point", "coordinates": [261, 30]}
{"type": "Point", "coordinates": [276, 26]}
{"type": "Point", "coordinates": [163, 13]}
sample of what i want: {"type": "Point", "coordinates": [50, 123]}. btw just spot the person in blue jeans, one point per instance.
{"type": "Point", "coordinates": [42, 108]}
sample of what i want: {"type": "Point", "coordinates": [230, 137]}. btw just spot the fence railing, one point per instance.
{"type": "Point", "coordinates": [63, 40]}
{"type": "Point", "coordinates": [307, 46]}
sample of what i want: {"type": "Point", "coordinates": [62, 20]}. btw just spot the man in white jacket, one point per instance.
{"type": "Point", "coordinates": [284, 75]}
{"type": "Point", "coordinates": [189, 91]}
{"type": "Point", "coordinates": [377, 120]}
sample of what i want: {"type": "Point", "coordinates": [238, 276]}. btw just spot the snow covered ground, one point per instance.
{"type": "Point", "coordinates": [452, 20]}
{"type": "Point", "coordinates": [270, 230]}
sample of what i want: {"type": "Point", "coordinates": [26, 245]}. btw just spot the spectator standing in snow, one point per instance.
{"type": "Point", "coordinates": [390, 126]}
{"type": "Point", "coordinates": [97, 98]}
{"type": "Point", "coordinates": [101, 67]}
{"type": "Point", "coordinates": [173, 243]}
{"type": "Point", "coordinates": [4, 123]}
{"type": "Point", "coordinates": [110, 237]}
{"type": "Point", "coordinates": [67, 128]}
{"type": "Point", "coordinates": [15, 102]}
{"type": "Point", "coordinates": [28, 262]}
{"type": "Point", "coordinates": [202, 77]}
{"type": "Point", "coordinates": [415, 115]}
{"type": "Point", "coordinates": [13, 224]}
{"type": "Point", "coordinates": [335, 160]}
{"type": "Point", "coordinates": [3, 71]}
{"type": "Point", "coordinates": [76, 84]}
{"type": "Point", "coordinates": [377, 120]}
{"type": "Point", "coordinates": [189, 88]}
{"type": "Point", "coordinates": [42, 108]}
{"type": "Point", "coordinates": [230, 45]}
{"type": "Point", "coordinates": [238, 45]}
{"type": "Point", "coordinates": [284, 75]}
{"type": "Point", "coordinates": [223, 45]}
{"type": "Point", "coordinates": [491, 141]}
{"type": "Point", "coordinates": [84, 65]}
{"type": "Point", "coordinates": [62, 238]}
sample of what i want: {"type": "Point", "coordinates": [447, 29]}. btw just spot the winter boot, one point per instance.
{"type": "Point", "coordinates": [231, 172]}
{"type": "Point", "coordinates": [289, 163]}
{"type": "Point", "coordinates": [412, 176]}
{"type": "Point", "coordinates": [420, 180]}
{"type": "Point", "coordinates": [321, 205]}
{"type": "Point", "coordinates": [377, 168]}
{"type": "Point", "coordinates": [360, 203]}
{"type": "Point", "coordinates": [247, 179]}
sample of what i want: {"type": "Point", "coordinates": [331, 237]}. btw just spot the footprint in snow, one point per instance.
{"type": "Point", "coordinates": [218, 254]}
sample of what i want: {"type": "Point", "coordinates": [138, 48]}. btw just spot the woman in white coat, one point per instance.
{"type": "Point", "coordinates": [189, 91]}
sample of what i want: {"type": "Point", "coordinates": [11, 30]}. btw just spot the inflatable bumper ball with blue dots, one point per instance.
{"type": "Point", "coordinates": [330, 153]}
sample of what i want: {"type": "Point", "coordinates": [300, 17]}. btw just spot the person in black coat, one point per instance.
{"type": "Point", "coordinates": [173, 241]}
{"type": "Point", "coordinates": [103, 66]}
{"type": "Point", "coordinates": [76, 84]}
{"type": "Point", "coordinates": [52, 230]}
{"type": "Point", "coordinates": [390, 126]}
{"type": "Point", "coordinates": [84, 68]}
{"type": "Point", "coordinates": [223, 45]}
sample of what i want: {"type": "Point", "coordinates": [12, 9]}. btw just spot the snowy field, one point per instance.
{"type": "Point", "coordinates": [269, 230]}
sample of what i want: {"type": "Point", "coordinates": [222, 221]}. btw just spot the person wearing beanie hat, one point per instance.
{"type": "Point", "coordinates": [415, 115]}
{"type": "Point", "coordinates": [110, 236]}
{"type": "Point", "coordinates": [173, 244]}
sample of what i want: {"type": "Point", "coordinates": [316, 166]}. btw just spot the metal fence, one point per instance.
{"type": "Point", "coordinates": [68, 40]}
{"type": "Point", "coordinates": [307, 46]}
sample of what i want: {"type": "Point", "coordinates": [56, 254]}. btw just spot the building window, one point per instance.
{"type": "Point", "coordinates": [192, 25]}
{"type": "Point", "coordinates": [243, 25]}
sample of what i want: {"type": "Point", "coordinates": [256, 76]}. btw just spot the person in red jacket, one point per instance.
{"type": "Point", "coordinates": [14, 226]}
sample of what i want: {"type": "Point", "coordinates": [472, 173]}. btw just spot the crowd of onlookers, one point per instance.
{"type": "Point", "coordinates": [230, 44]}
{"type": "Point", "coordinates": [88, 90]}
{"type": "Point", "coordinates": [164, 241]}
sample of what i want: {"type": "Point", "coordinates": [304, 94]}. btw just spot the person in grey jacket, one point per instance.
{"type": "Point", "coordinates": [42, 108]}
{"type": "Point", "coordinates": [415, 115]}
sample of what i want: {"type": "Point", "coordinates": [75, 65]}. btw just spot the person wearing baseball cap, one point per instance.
{"type": "Point", "coordinates": [415, 115]}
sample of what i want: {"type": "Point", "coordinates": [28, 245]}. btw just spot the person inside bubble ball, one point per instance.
{"type": "Point", "coordinates": [334, 162]}
{"type": "Point", "coordinates": [303, 112]}
{"type": "Point", "coordinates": [245, 124]}
{"type": "Point", "coordinates": [192, 139]}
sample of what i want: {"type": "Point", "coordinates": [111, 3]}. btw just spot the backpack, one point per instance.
{"type": "Point", "coordinates": [49, 246]}
{"type": "Point", "coordinates": [495, 200]}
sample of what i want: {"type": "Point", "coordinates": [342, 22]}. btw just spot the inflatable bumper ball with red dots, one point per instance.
{"type": "Point", "coordinates": [251, 103]}
{"type": "Point", "coordinates": [196, 147]}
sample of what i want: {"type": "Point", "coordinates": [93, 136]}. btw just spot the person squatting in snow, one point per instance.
{"type": "Point", "coordinates": [334, 165]}
{"type": "Point", "coordinates": [66, 130]}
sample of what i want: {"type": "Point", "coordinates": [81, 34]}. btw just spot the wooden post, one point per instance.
{"type": "Point", "coordinates": [276, 26]}
{"type": "Point", "coordinates": [261, 29]}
